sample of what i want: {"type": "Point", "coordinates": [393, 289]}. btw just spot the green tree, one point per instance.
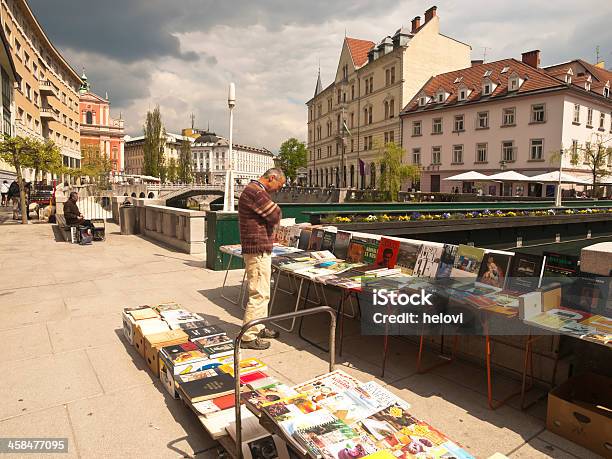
{"type": "Point", "coordinates": [596, 156]}
{"type": "Point", "coordinates": [154, 139]}
{"type": "Point", "coordinates": [291, 156]}
{"type": "Point", "coordinates": [162, 169]}
{"type": "Point", "coordinates": [184, 170]}
{"type": "Point", "coordinates": [393, 172]}
{"type": "Point", "coordinates": [28, 153]}
{"type": "Point", "coordinates": [95, 164]}
{"type": "Point", "coordinates": [172, 170]}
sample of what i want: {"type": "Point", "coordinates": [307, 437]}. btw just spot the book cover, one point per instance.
{"type": "Point", "coordinates": [341, 244]}
{"type": "Point", "coordinates": [167, 306]}
{"type": "Point", "coordinates": [210, 330]}
{"type": "Point", "coordinates": [252, 377]}
{"type": "Point", "coordinates": [289, 407]}
{"type": "Point", "coordinates": [445, 267]}
{"type": "Point", "coordinates": [467, 262]}
{"type": "Point", "coordinates": [294, 236]}
{"type": "Point", "coordinates": [322, 431]}
{"type": "Point", "coordinates": [370, 251]}
{"type": "Point", "coordinates": [356, 250]}
{"type": "Point", "coordinates": [382, 396]}
{"type": "Point", "coordinates": [304, 240]}
{"type": "Point", "coordinates": [494, 269]}
{"type": "Point", "coordinates": [183, 353]}
{"type": "Point", "coordinates": [202, 374]}
{"type": "Point", "coordinates": [350, 406]}
{"type": "Point", "coordinates": [327, 385]}
{"type": "Point", "coordinates": [525, 272]}
{"type": "Point", "coordinates": [208, 388]}
{"type": "Point", "coordinates": [316, 239]}
{"type": "Point", "coordinates": [213, 340]}
{"type": "Point", "coordinates": [246, 366]}
{"type": "Point", "coordinates": [428, 260]}
{"type": "Point", "coordinates": [225, 401]}
{"type": "Point", "coordinates": [193, 325]}
{"type": "Point", "coordinates": [206, 407]}
{"type": "Point", "coordinates": [219, 350]}
{"type": "Point", "coordinates": [329, 240]}
{"type": "Point", "coordinates": [180, 316]}
{"type": "Point", "coordinates": [388, 250]}
{"type": "Point", "coordinates": [142, 312]}
{"type": "Point", "coordinates": [322, 255]}
{"type": "Point", "coordinates": [407, 256]}
{"type": "Point", "coordinates": [357, 447]}
{"type": "Point", "coordinates": [267, 395]}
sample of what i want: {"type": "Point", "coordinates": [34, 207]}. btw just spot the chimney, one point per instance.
{"type": "Point", "coordinates": [477, 62]}
{"type": "Point", "coordinates": [532, 58]}
{"type": "Point", "coordinates": [430, 13]}
{"type": "Point", "coordinates": [416, 23]}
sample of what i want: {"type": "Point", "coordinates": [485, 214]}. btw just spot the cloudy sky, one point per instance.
{"type": "Point", "coordinates": [181, 54]}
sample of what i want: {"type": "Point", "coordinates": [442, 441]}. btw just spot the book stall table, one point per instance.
{"type": "Point", "coordinates": [232, 252]}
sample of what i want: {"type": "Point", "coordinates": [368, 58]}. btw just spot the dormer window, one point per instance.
{"type": "Point", "coordinates": [606, 92]}
{"type": "Point", "coordinates": [441, 96]}
{"type": "Point", "coordinates": [568, 78]}
{"type": "Point", "coordinates": [464, 93]}
{"type": "Point", "coordinates": [587, 85]}
{"type": "Point", "coordinates": [513, 84]}
{"type": "Point", "coordinates": [486, 89]}
{"type": "Point", "coordinates": [458, 80]}
{"type": "Point", "coordinates": [422, 101]}
{"type": "Point", "coordinates": [487, 74]}
{"type": "Point", "coordinates": [505, 69]}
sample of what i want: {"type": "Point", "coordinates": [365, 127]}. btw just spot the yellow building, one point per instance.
{"type": "Point", "coordinates": [46, 97]}
{"type": "Point", "coordinates": [359, 111]}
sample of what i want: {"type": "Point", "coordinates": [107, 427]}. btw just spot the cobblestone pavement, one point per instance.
{"type": "Point", "coordinates": [68, 372]}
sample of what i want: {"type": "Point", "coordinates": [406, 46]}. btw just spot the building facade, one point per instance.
{"type": "Point", "coordinates": [99, 129]}
{"type": "Point", "coordinates": [134, 151]}
{"type": "Point", "coordinates": [506, 115]}
{"type": "Point", "coordinates": [211, 159]}
{"type": "Point", "coordinates": [358, 113]}
{"type": "Point", "coordinates": [8, 79]}
{"type": "Point", "coordinates": [47, 97]}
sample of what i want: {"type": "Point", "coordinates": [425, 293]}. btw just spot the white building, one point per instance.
{"type": "Point", "coordinates": [506, 115]}
{"type": "Point", "coordinates": [134, 151]}
{"type": "Point", "coordinates": [211, 159]}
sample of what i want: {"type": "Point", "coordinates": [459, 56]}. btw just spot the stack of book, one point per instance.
{"type": "Point", "coordinates": [336, 416]}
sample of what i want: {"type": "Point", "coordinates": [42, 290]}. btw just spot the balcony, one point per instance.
{"type": "Point", "coordinates": [49, 114]}
{"type": "Point", "coordinates": [47, 88]}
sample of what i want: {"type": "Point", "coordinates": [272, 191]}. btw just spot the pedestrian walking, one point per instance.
{"type": "Point", "coordinates": [259, 216]}
{"type": "Point", "coordinates": [4, 192]}
{"type": "Point", "coordinates": [13, 196]}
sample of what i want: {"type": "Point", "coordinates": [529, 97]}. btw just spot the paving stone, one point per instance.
{"type": "Point", "coordinates": [25, 342]}
{"type": "Point", "coordinates": [18, 315]}
{"type": "Point", "coordinates": [83, 332]}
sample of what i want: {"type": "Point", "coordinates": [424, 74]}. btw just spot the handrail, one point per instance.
{"type": "Point", "coordinates": [252, 323]}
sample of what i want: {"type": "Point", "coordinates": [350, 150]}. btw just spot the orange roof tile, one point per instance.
{"type": "Point", "coordinates": [474, 77]}
{"type": "Point", "coordinates": [359, 50]}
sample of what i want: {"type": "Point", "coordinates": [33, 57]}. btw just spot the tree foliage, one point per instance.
{"type": "Point", "coordinates": [292, 155]}
{"type": "Point", "coordinates": [95, 164]}
{"type": "Point", "coordinates": [184, 170]}
{"type": "Point", "coordinates": [393, 172]}
{"type": "Point", "coordinates": [154, 140]}
{"type": "Point", "coordinates": [596, 156]}
{"type": "Point", "coordinates": [29, 153]}
{"type": "Point", "coordinates": [172, 170]}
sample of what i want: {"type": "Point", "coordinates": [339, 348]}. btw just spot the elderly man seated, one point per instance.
{"type": "Point", "coordinates": [73, 215]}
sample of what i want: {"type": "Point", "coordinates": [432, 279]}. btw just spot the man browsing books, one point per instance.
{"type": "Point", "coordinates": [258, 216]}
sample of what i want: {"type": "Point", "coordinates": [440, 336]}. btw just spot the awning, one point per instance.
{"type": "Point", "coordinates": [509, 176]}
{"type": "Point", "coordinates": [471, 176]}
{"type": "Point", "coordinates": [554, 178]}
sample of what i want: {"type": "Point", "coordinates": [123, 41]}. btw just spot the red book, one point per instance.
{"type": "Point", "coordinates": [225, 402]}
{"type": "Point", "coordinates": [386, 257]}
{"type": "Point", "coordinates": [250, 377]}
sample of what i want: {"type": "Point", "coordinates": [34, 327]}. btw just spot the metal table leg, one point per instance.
{"type": "Point", "coordinates": [297, 306]}
{"type": "Point", "coordinates": [223, 286]}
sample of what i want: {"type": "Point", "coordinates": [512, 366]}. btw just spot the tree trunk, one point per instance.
{"type": "Point", "coordinates": [22, 197]}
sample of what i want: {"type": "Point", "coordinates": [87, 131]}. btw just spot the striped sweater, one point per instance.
{"type": "Point", "coordinates": [258, 216]}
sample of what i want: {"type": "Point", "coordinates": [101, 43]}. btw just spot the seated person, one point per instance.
{"type": "Point", "coordinates": [72, 214]}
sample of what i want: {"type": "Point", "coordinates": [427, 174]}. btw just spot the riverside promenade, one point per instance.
{"type": "Point", "coordinates": [67, 371]}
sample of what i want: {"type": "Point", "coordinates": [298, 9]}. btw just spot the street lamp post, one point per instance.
{"type": "Point", "coordinates": [228, 202]}
{"type": "Point", "coordinates": [558, 193]}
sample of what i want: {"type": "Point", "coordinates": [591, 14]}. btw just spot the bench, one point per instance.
{"type": "Point", "coordinates": [64, 228]}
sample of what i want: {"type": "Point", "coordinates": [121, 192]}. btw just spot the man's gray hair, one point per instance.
{"type": "Point", "coordinates": [274, 172]}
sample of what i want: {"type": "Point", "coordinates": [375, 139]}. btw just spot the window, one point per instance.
{"type": "Point", "coordinates": [371, 84]}
{"type": "Point", "coordinates": [458, 123]}
{"type": "Point", "coordinates": [18, 48]}
{"type": "Point", "coordinates": [28, 91]}
{"type": "Point", "coordinates": [386, 109]}
{"type": "Point", "coordinates": [483, 120]}
{"type": "Point", "coordinates": [416, 156]}
{"type": "Point", "coordinates": [602, 120]}
{"type": "Point", "coordinates": [422, 101]}
{"type": "Point", "coordinates": [606, 92]}
{"type": "Point", "coordinates": [391, 108]}
{"type": "Point", "coordinates": [576, 113]}
{"type": "Point", "coordinates": [26, 59]}
{"type": "Point", "coordinates": [508, 118]}
{"type": "Point", "coordinates": [481, 152]}
{"type": "Point", "coordinates": [463, 93]}
{"type": "Point", "coordinates": [536, 149]}
{"type": "Point", "coordinates": [589, 122]}
{"type": "Point", "coordinates": [339, 96]}
{"type": "Point", "coordinates": [388, 77]}
{"type": "Point", "coordinates": [508, 150]}
{"type": "Point", "coordinates": [436, 126]}
{"type": "Point", "coordinates": [352, 117]}
{"type": "Point", "coordinates": [391, 136]}
{"type": "Point", "coordinates": [392, 75]}
{"type": "Point", "coordinates": [538, 113]}
{"type": "Point", "coordinates": [486, 89]}
{"type": "Point", "coordinates": [436, 153]}
{"type": "Point", "coordinates": [568, 78]}
{"type": "Point", "coordinates": [457, 154]}
{"type": "Point", "coordinates": [513, 84]}
{"type": "Point", "coordinates": [352, 91]}
{"type": "Point", "coordinates": [416, 128]}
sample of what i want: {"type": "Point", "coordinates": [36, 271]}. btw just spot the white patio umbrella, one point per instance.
{"type": "Point", "coordinates": [470, 176]}
{"type": "Point", "coordinates": [509, 176]}
{"type": "Point", "coordinates": [553, 177]}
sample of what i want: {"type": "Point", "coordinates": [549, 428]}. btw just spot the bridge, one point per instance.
{"type": "Point", "coordinates": [176, 195]}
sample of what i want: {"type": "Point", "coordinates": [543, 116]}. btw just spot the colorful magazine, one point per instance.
{"type": "Point", "coordinates": [447, 259]}
{"type": "Point", "coordinates": [388, 250]}
{"type": "Point", "coordinates": [494, 269]}
{"type": "Point", "coordinates": [467, 262]}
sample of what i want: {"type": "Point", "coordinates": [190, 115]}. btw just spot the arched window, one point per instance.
{"type": "Point", "coordinates": [89, 117]}
{"type": "Point", "coordinates": [373, 175]}
{"type": "Point", "coordinates": [386, 109]}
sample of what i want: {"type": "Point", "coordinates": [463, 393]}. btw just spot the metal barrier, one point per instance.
{"type": "Point", "coordinates": [265, 320]}
{"type": "Point", "coordinates": [96, 207]}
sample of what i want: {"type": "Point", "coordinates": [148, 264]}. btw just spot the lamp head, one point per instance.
{"type": "Point", "coordinates": [231, 97]}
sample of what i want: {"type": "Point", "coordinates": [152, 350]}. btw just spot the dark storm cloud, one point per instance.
{"type": "Point", "coordinates": [146, 29]}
